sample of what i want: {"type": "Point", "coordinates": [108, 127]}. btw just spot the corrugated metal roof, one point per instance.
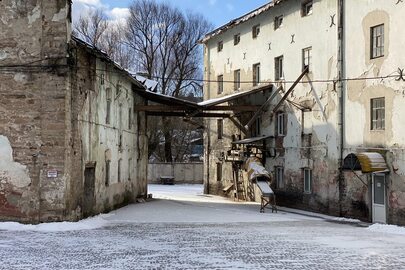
{"type": "Point", "coordinates": [367, 162]}
{"type": "Point", "coordinates": [252, 140]}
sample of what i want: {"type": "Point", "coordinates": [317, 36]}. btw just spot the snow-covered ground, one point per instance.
{"type": "Point", "coordinates": [184, 229]}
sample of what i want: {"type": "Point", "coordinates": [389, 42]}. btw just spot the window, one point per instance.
{"type": "Point", "coordinates": [256, 31]}
{"type": "Point", "coordinates": [220, 128]}
{"type": "Point", "coordinates": [377, 41]}
{"type": "Point", "coordinates": [118, 88]}
{"type": "Point", "coordinates": [220, 46]}
{"type": "Point", "coordinates": [281, 123]}
{"type": "Point", "coordinates": [120, 126]}
{"type": "Point", "coordinates": [307, 180]}
{"type": "Point", "coordinates": [306, 8]}
{"type": "Point", "coordinates": [129, 169]}
{"type": "Point", "coordinates": [107, 172]}
{"type": "Point", "coordinates": [119, 170]}
{"type": "Point", "coordinates": [236, 79]}
{"type": "Point", "coordinates": [278, 64]}
{"type": "Point", "coordinates": [108, 109]}
{"type": "Point", "coordinates": [102, 79]}
{"type": "Point", "coordinates": [279, 177]}
{"type": "Point", "coordinates": [130, 118]}
{"type": "Point", "coordinates": [378, 114]}
{"type": "Point", "coordinates": [220, 82]}
{"type": "Point", "coordinates": [219, 172]}
{"type": "Point", "coordinates": [306, 58]}
{"type": "Point", "coordinates": [236, 39]}
{"type": "Point", "coordinates": [278, 22]}
{"type": "Point", "coordinates": [256, 74]}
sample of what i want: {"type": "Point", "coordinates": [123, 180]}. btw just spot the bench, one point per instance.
{"type": "Point", "coordinates": [167, 180]}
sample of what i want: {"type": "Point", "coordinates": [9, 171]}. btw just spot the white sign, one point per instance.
{"type": "Point", "coordinates": [52, 174]}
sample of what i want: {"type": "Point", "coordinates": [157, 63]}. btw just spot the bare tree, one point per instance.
{"type": "Point", "coordinates": [108, 36]}
{"type": "Point", "coordinates": [165, 42]}
{"type": "Point", "coordinates": [92, 26]}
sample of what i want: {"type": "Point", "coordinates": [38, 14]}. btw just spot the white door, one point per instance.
{"type": "Point", "coordinates": [379, 200]}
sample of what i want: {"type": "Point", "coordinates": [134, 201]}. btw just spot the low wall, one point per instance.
{"type": "Point", "coordinates": [185, 173]}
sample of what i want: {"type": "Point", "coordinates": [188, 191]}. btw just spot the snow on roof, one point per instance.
{"type": "Point", "coordinates": [240, 20]}
{"type": "Point", "coordinates": [220, 100]}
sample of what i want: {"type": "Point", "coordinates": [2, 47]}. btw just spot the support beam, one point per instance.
{"type": "Point", "coordinates": [183, 114]}
{"type": "Point", "coordinates": [165, 108]}
{"type": "Point", "coordinates": [238, 124]}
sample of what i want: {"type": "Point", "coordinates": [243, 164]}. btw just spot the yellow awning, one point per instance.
{"type": "Point", "coordinates": [371, 162]}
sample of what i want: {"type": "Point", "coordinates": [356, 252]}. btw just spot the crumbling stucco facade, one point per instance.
{"type": "Point", "coordinates": [315, 139]}
{"type": "Point", "coordinates": [55, 142]}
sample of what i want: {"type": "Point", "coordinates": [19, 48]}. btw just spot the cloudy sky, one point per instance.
{"type": "Point", "coordinates": [218, 12]}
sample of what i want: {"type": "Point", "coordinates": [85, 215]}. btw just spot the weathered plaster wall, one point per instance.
{"type": "Point", "coordinates": [292, 149]}
{"type": "Point", "coordinates": [32, 105]}
{"type": "Point", "coordinates": [99, 141]}
{"type": "Point", "coordinates": [358, 134]}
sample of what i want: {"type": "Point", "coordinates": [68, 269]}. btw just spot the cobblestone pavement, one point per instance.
{"type": "Point", "coordinates": [286, 242]}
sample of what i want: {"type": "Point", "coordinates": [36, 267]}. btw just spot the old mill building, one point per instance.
{"type": "Point", "coordinates": [321, 94]}
{"type": "Point", "coordinates": [71, 144]}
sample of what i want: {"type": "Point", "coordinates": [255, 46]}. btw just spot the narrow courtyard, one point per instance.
{"type": "Point", "coordinates": [183, 229]}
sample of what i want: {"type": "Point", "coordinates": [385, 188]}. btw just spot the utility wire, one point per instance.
{"type": "Point", "coordinates": [11, 68]}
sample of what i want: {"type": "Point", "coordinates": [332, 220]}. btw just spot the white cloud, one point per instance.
{"type": "Point", "coordinates": [118, 13]}
{"type": "Point", "coordinates": [115, 14]}
{"type": "Point", "coordinates": [212, 2]}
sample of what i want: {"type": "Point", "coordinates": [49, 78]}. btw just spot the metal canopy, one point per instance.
{"type": "Point", "coordinates": [367, 162]}
{"type": "Point", "coordinates": [252, 140]}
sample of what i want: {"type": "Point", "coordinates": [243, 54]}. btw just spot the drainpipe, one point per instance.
{"type": "Point", "coordinates": [208, 122]}
{"type": "Point", "coordinates": [341, 93]}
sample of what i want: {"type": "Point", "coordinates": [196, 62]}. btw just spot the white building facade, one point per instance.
{"type": "Point", "coordinates": [347, 47]}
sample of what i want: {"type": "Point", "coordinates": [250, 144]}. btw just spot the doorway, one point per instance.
{"type": "Point", "coordinates": [379, 198]}
{"type": "Point", "coordinates": [89, 190]}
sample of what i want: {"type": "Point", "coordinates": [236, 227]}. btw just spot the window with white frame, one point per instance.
{"type": "Point", "coordinates": [307, 8]}
{"type": "Point", "coordinates": [378, 114]}
{"type": "Point", "coordinates": [220, 82]}
{"type": "Point", "coordinates": [307, 180]}
{"type": "Point", "coordinates": [377, 41]}
{"type": "Point", "coordinates": [281, 123]}
{"type": "Point", "coordinates": [278, 22]}
{"type": "Point", "coordinates": [256, 31]}
{"type": "Point", "coordinates": [307, 58]}
{"type": "Point", "coordinates": [236, 39]}
{"type": "Point", "coordinates": [256, 74]}
{"type": "Point", "coordinates": [279, 171]}
{"type": "Point", "coordinates": [236, 79]}
{"type": "Point", "coordinates": [278, 65]}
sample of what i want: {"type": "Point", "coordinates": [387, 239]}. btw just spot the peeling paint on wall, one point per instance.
{"type": "Point", "coordinates": [11, 172]}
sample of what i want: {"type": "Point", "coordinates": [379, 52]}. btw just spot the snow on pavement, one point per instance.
{"type": "Point", "coordinates": [184, 229]}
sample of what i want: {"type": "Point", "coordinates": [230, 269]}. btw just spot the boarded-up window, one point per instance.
{"type": "Point", "coordinates": [256, 74]}
{"type": "Point", "coordinates": [220, 128]}
{"type": "Point", "coordinates": [107, 172]}
{"type": "Point", "coordinates": [236, 39]}
{"type": "Point", "coordinates": [236, 78]}
{"type": "Point", "coordinates": [219, 171]}
{"type": "Point", "coordinates": [256, 31]}
{"type": "Point", "coordinates": [279, 177]}
{"type": "Point", "coordinates": [307, 180]}
{"type": "Point", "coordinates": [220, 82]}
